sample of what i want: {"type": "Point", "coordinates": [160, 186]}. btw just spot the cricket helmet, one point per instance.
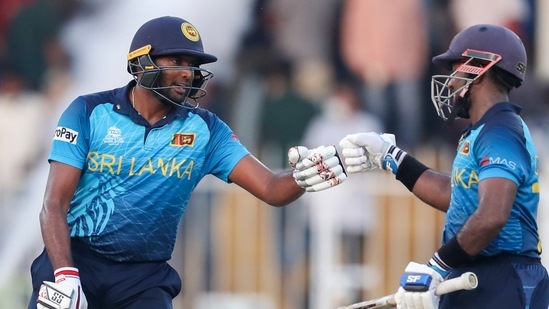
{"type": "Point", "coordinates": [488, 38]}
{"type": "Point", "coordinates": [165, 36]}
{"type": "Point", "coordinates": [477, 49]}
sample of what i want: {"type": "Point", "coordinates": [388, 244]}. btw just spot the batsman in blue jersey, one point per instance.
{"type": "Point", "coordinates": [491, 196]}
{"type": "Point", "coordinates": [123, 165]}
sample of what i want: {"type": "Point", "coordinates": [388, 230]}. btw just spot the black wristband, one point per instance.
{"type": "Point", "coordinates": [452, 254]}
{"type": "Point", "coordinates": [409, 171]}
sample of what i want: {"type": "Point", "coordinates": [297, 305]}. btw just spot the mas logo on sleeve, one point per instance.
{"type": "Point", "coordinates": [65, 135]}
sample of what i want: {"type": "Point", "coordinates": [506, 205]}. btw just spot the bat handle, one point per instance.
{"type": "Point", "coordinates": [467, 281]}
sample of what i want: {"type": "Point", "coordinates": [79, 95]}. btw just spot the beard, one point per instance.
{"type": "Point", "coordinates": [460, 109]}
{"type": "Point", "coordinates": [168, 96]}
{"type": "Point", "coordinates": [463, 105]}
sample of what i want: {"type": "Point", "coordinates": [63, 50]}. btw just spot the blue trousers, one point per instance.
{"type": "Point", "coordinates": [114, 285]}
{"type": "Point", "coordinates": [504, 282]}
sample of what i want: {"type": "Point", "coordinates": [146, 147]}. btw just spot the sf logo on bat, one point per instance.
{"type": "Point", "coordinates": [415, 282]}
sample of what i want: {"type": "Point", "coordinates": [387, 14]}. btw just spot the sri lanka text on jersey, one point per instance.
{"type": "Point", "coordinates": [109, 163]}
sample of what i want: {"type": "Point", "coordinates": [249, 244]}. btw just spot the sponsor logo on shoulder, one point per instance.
{"type": "Point", "coordinates": [501, 161]}
{"type": "Point", "coordinates": [64, 134]}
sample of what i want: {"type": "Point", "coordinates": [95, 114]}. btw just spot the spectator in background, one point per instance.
{"type": "Point", "coordinates": [9, 9]}
{"type": "Point", "coordinates": [33, 47]}
{"type": "Point", "coordinates": [257, 47]}
{"type": "Point", "coordinates": [256, 57]}
{"type": "Point", "coordinates": [18, 142]}
{"type": "Point", "coordinates": [384, 43]}
{"type": "Point", "coordinates": [286, 113]}
{"type": "Point", "coordinates": [305, 28]}
{"type": "Point", "coordinates": [271, 112]}
{"type": "Point", "coordinates": [33, 75]}
{"type": "Point", "coordinates": [31, 80]}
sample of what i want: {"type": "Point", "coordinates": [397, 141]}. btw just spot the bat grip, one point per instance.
{"type": "Point", "coordinates": [467, 281]}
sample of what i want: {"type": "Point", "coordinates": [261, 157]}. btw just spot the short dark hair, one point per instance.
{"type": "Point", "coordinates": [505, 80]}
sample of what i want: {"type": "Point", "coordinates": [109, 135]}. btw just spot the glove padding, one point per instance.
{"type": "Point", "coordinates": [417, 287]}
{"type": "Point", "coordinates": [367, 151]}
{"type": "Point", "coordinates": [316, 169]}
{"type": "Point", "coordinates": [65, 293]}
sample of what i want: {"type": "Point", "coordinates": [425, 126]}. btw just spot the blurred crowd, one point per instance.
{"type": "Point", "coordinates": [34, 66]}
{"type": "Point", "coordinates": [303, 72]}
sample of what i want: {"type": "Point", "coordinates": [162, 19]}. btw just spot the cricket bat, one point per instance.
{"type": "Point", "coordinates": [466, 281]}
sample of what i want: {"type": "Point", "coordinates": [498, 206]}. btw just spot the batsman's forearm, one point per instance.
{"type": "Point", "coordinates": [55, 233]}
{"type": "Point", "coordinates": [283, 190]}
{"type": "Point", "coordinates": [434, 188]}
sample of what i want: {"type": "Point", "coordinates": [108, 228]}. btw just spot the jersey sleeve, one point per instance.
{"type": "Point", "coordinates": [225, 150]}
{"type": "Point", "coordinates": [501, 153]}
{"type": "Point", "coordinates": [70, 141]}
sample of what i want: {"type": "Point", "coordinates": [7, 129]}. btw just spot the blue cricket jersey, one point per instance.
{"type": "Point", "coordinates": [137, 178]}
{"type": "Point", "coordinates": [499, 145]}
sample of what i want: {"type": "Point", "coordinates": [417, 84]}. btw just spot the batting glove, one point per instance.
{"type": "Point", "coordinates": [316, 169]}
{"type": "Point", "coordinates": [367, 151]}
{"type": "Point", "coordinates": [65, 293]}
{"type": "Point", "coordinates": [417, 287]}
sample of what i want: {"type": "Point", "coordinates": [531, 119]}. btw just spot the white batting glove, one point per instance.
{"type": "Point", "coordinates": [65, 293]}
{"type": "Point", "coordinates": [417, 287]}
{"type": "Point", "coordinates": [367, 151]}
{"type": "Point", "coordinates": [316, 169]}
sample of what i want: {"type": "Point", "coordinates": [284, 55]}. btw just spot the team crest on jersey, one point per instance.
{"type": "Point", "coordinates": [65, 135]}
{"type": "Point", "coordinates": [183, 139]}
{"type": "Point", "coordinates": [113, 137]}
{"type": "Point", "coordinates": [465, 148]}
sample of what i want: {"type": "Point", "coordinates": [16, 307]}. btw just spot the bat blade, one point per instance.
{"type": "Point", "coordinates": [378, 303]}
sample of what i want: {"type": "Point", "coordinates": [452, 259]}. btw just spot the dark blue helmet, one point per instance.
{"type": "Point", "coordinates": [476, 49]}
{"type": "Point", "coordinates": [488, 38]}
{"type": "Point", "coordinates": [168, 35]}
{"type": "Point", "coordinates": [165, 36]}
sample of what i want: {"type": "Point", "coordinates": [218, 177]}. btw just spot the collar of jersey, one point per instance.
{"type": "Point", "coordinates": [497, 108]}
{"type": "Point", "coordinates": [500, 107]}
{"type": "Point", "coordinates": [125, 107]}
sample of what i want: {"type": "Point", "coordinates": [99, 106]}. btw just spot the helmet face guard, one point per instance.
{"type": "Point", "coordinates": [477, 49]}
{"type": "Point", "coordinates": [169, 36]}
{"type": "Point", "coordinates": [149, 76]}
{"type": "Point", "coordinates": [449, 101]}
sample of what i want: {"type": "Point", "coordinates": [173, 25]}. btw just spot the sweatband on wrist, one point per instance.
{"type": "Point", "coordinates": [439, 266]}
{"type": "Point", "coordinates": [409, 171]}
{"type": "Point", "coordinates": [452, 254]}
